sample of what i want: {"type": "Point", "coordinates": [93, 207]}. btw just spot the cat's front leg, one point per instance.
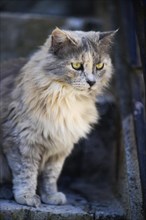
{"type": "Point", "coordinates": [24, 169]}
{"type": "Point", "coordinates": [48, 182]}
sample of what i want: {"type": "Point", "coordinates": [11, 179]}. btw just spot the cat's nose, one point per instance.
{"type": "Point", "coordinates": [90, 79]}
{"type": "Point", "coordinates": [91, 82]}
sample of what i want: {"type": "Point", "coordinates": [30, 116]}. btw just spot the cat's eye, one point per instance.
{"type": "Point", "coordinates": [99, 66]}
{"type": "Point", "coordinates": [77, 66]}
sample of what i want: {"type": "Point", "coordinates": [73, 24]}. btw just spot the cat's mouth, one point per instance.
{"type": "Point", "coordinates": [92, 88]}
{"type": "Point", "coordinates": [88, 89]}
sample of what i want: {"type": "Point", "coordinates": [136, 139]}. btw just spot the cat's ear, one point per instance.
{"type": "Point", "coordinates": [106, 38]}
{"type": "Point", "coordinates": [60, 38]}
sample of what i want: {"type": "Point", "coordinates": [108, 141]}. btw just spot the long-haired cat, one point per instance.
{"type": "Point", "coordinates": [51, 107]}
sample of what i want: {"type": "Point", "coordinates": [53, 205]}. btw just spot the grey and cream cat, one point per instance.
{"type": "Point", "coordinates": [50, 108]}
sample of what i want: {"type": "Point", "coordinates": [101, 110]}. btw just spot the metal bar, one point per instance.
{"type": "Point", "coordinates": [140, 21]}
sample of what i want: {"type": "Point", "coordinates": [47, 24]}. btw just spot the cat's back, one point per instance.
{"type": "Point", "coordinates": [9, 72]}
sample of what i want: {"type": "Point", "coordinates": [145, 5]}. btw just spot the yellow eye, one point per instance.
{"type": "Point", "coordinates": [99, 66]}
{"type": "Point", "coordinates": [77, 66]}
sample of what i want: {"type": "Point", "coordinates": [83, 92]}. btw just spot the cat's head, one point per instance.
{"type": "Point", "coordinates": [80, 59]}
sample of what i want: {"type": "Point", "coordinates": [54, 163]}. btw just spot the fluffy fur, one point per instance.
{"type": "Point", "coordinates": [49, 109]}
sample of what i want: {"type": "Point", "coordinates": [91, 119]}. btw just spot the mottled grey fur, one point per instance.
{"type": "Point", "coordinates": [49, 109]}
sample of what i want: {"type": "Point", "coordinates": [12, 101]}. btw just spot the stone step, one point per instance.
{"type": "Point", "coordinates": [76, 209]}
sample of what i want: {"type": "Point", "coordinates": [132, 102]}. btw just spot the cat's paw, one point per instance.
{"type": "Point", "coordinates": [57, 198]}
{"type": "Point", "coordinates": [28, 200]}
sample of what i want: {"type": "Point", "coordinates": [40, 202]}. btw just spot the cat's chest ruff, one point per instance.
{"type": "Point", "coordinates": [69, 117]}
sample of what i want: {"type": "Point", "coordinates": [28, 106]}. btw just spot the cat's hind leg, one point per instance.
{"type": "Point", "coordinates": [48, 182]}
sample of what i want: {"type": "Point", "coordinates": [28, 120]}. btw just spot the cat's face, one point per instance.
{"type": "Point", "coordinates": [80, 59]}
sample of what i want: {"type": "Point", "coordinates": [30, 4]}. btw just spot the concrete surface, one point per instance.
{"type": "Point", "coordinates": [77, 209]}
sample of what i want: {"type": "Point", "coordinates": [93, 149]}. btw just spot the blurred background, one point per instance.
{"type": "Point", "coordinates": [34, 19]}
{"type": "Point", "coordinates": [108, 169]}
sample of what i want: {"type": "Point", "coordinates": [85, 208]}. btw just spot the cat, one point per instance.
{"type": "Point", "coordinates": [50, 107]}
